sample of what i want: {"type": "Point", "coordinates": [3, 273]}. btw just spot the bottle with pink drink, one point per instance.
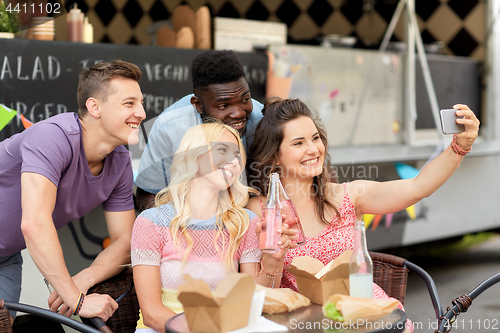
{"type": "Point", "coordinates": [271, 218]}
{"type": "Point", "coordinates": [292, 218]}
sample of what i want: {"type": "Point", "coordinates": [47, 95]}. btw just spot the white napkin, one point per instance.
{"type": "Point", "coordinates": [263, 325]}
{"type": "Point", "coordinates": [256, 322]}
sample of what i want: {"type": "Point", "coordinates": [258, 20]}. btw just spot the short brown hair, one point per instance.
{"type": "Point", "coordinates": [94, 82]}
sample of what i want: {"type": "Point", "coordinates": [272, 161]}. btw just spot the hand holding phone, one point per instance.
{"type": "Point", "coordinates": [449, 122]}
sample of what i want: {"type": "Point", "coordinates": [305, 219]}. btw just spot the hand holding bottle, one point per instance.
{"type": "Point", "coordinates": [287, 240]}
{"type": "Point", "coordinates": [279, 209]}
{"type": "Point", "coordinates": [292, 219]}
{"type": "Point", "coordinates": [272, 262]}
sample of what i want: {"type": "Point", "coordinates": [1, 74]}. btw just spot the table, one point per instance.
{"type": "Point", "coordinates": [311, 319]}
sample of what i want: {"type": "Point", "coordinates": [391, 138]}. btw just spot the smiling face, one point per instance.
{"type": "Point", "coordinates": [122, 112]}
{"type": "Point", "coordinates": [221, 166]}
{"type": "Point", "coordinates": [301, 153]}
{"type": "Point", "coordinates": [229, 102]}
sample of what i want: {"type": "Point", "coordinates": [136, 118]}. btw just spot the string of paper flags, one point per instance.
{"type": "Point", "coordinates": [404, 171]}
{"type": "Point", "coordinates": [7, 114]}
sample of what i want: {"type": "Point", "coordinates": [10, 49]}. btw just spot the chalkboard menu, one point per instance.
{"type": "Point", "coordinates": [39, 79]}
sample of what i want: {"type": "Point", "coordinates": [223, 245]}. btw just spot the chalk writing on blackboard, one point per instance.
{"type": "Point", "coordinates": [48, 68]}
{"type": "Point", "coordinates": [39, 78]}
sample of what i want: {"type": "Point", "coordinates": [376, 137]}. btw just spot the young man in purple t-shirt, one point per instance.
{"type": "Point", "coordinates": [58, 170]}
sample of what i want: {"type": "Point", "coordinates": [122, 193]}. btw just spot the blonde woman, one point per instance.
{"type": "Point", "coordinates": [199, 226]}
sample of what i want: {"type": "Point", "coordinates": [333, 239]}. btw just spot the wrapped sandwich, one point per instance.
{"type": "Point", "coordinates": [282, 300]}
{"type": "Point", "coordinates": [346, 308]}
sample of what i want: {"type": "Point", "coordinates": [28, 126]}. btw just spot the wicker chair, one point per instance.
{"type": "Point", "coordinates": [124, 320]}
{"type": "Point", "coordinates": [5, 326]}
{"type": "Point", "coordinates": [391, 274]}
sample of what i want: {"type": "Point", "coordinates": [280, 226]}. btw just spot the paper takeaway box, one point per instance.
{"type": "Point", "coordinates": [317, 281]}
{"type": "Point", "coordinates": [228, 309]}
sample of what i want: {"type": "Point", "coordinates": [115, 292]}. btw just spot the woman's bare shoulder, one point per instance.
{"type": "Point", "coordinates": [334, 191]}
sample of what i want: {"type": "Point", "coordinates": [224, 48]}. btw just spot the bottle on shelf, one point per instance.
{"type": "Point", "coordinates": [271, 218]}
{"type": "Point", "coordinates": [74, 21]}
{"type": "Point", "coordinates": [88, 31]}
{"type": "Point", "coordinates": [360, 265]}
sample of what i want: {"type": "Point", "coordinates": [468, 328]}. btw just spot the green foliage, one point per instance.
{"type": "Point", "coordinates": [467, 242]}
{"type": "Point", "coordinates": [8, 20]}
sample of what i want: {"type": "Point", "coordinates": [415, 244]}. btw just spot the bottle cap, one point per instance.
{"type": "Point", "coordinates": [75, 13]}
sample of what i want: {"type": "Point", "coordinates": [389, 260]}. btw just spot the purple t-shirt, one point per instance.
{"type": "Point", "coordinates": [54, 148]}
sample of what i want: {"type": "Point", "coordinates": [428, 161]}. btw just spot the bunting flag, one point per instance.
{"type": "Point", "coordinates": [6, 115]}
{"type": "Point", "coordinates": [406, 171]}
{"type": "Point", "coordinates": [367, 218]}
{"type": "Point", "coordinates": [411, 212]}
{"type": "Point", "coordinates": [376, 221]}
{"type": "Point", "coordinates": [388, 220]}
{"type": "Point", "coordinates": [26, 122]}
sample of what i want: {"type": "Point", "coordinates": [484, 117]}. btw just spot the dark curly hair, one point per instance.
{"type": "Point", "coordinates": [264, 151]}
{"type": "Point", "coordinates": [215, 67]}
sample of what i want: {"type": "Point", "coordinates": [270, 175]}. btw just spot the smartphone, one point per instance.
{"type": "Point", "coordinates": [449, 122]}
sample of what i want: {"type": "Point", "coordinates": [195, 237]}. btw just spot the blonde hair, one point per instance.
{"type": "Point", "coordinates": [230, 212]}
